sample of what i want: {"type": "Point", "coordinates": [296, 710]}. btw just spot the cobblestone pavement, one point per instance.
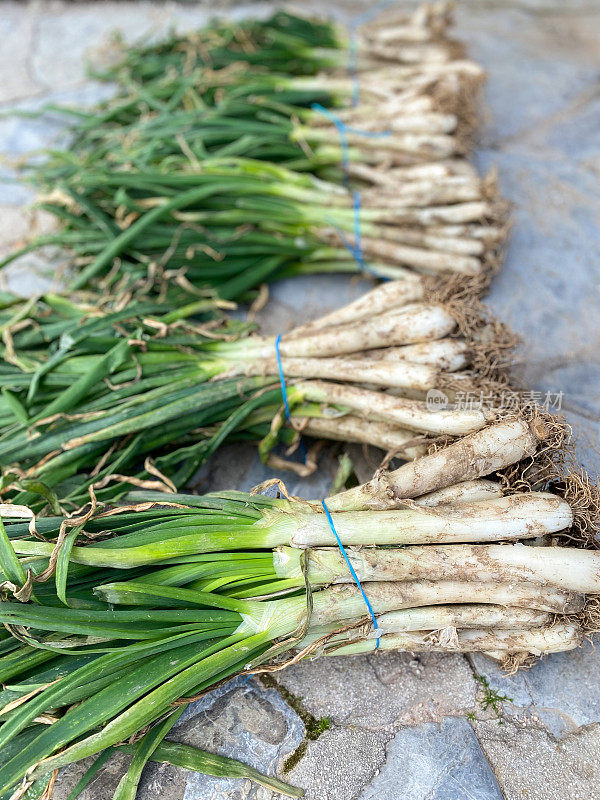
{"type": "Point", "coordinates": [400, 727]}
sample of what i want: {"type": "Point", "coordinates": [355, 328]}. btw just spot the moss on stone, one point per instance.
{"type": "Point", "coordinates": [313, 726]}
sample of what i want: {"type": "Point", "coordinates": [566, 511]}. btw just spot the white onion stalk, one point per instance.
{"type": "Point", "coordinates": [448, 355]}
{"type": "Point", "coordinates": [474, 456]}
{"type": "Point", "coordinates": [469, 615]}
{"type": "Point", "coordinates": [399, 375]}
{"type": "Point", "coordinates": [490, 234]}
{"type": "Point", "coordinates": [343, 604]}
{"type": "Point", "coordinates": [350, 428]}
{"type": "Point", "coordinates": [427, 23]}
{"type": "Point", "coordinates": [386, 249]}
{"type": "Point", "coordinates": [518, 516]}
{"type": "Point", "coordinates": [455, 214]}
{"type": "Point", "coordinates": [456, 167]}
{"type": "Point", "coordinates": [427, 192]}
{"type": "Point", "coordinates": [383, 79]}
{"type": "Point", "coordinates": [448, 244]}
{"type": "Point", "coordinates": [340, 603]}
{"type": "Point", "coordinates": [418, 116]}
{"type": "Point", "coordinates": [454, 189]}
{"type": "Point", "coordinates": [382, 339]}
{"type": "Point", "coordinates": [383, 298]}
{"type": "Point", "coordinates": [402, 76]}
{"type": "Point", "coordinates": [464, 492]}
{"type": "Point", "coordinates": [450, 80]}
{"type": "Point", "coordinates": [434, 618]}
{"type": "Point", "coordinates": [403, 29]}
{"type": "Point", "coordinates": [417, 53]}
{"type": "Point", "coordinates": [341, 353]}
{"type": "Point", "coordinates": [405, 413]}
{"type": "Point", "coordinates": [567, 568]}
{"type": "Point", "coordinates": [414, 322]}
{"type": "Point", "coordinates": [537, 641]}
{"type": "Point", "coordinates": [420, 259]}
{"type": "Point", "coordinates": [395, 176]}
{"type": "Point", "coordinates": [420, 145]}
{"type": "Point", "coordinates": [424, 238]}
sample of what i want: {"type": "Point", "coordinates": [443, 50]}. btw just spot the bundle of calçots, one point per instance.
{"type": "Point", "coordinates": [227, 175]}
{"type": "Point", "coordinates": [115, 616]}
{"type": "Point", "coordinates": [216, 164]}
{"type": "Point", "coordinates": [142, 396]}
{"type": "Point", "coordinates": [235, 223]}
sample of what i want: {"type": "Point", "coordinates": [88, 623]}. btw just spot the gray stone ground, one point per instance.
{"type": "Point", "coordinates": [401, 727]}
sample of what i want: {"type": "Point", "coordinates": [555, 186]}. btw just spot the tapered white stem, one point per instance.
{"type": "Point", "coordinates": [383, 298]}
{"type": "Point", "coordinates": [493, 448]}
{"type": "Point", "coordinates": [350, 428]}
{"type": "Point", "coordinates": [448, 355]}
{"type": "Point", "coordinates": [464, 492]}
{"type": "Point", "coordinates": [567, 568]}
{"type": "Point", "coordinates": [519, 516]}
{"type": "Point", "coordinates": [537, 641]}
{"type": "Point", "coordinates": [346, 602]}
{"type": "Point", "coordinates": [400, 374]}
{"type": "Point", "coordinates": [434, 618]}
{"type": "Point", "coordinates": [412, 414]}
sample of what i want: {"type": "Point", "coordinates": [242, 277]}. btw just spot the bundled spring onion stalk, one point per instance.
{"type": "Point", "coordinates": [236, 222]}
{"type": "Point", "coordinates": [292, 43]}
{"type": "Point", "coordinates": [238, 135]}
{"type": "Point", "coordinates": [275, 118]}
{"type": "Point", "coordinates": [269, 116]}
{"type": "Point", "coordinates": [90, 395]}
{"type": "Point", "coordinates": [166, 606]}
{"type": "Point", "coordinates": [418, 68]}
{"type": "Point", "coordinates": [208, 169]}
{"type": "Point", "coordinates": [114, 620]}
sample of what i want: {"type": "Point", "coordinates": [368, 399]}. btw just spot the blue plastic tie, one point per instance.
{"type": "Point", "coordinates": [354, 249]}
{"type": "Point", "coordinates": [282, 378]}
{"type": "Point", "coordinates": [352, 571]}
{"type": "Point", "coordinates": [286, 403]}
{"type": "Point", "coordinates": [358, 253]}
{"type": "Point", "coordinates": [341, 128]}
{"type": "Point", "coordinates": [341, 125]}
{"type": "Point", "coordinates": [355, 252]}
{"type": "Point", "coordinates": [344, 130]}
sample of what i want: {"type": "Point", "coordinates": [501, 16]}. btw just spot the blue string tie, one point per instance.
{"type": "Point", "coordinates": [284, 393]}
{"type": "Point", "coordinates": [282, 379]}
{"type": "Point", "coordinates": [358, 253]}
{"type": "Point", "coordinates": [343, 129]}
{"type": "Point", "coordinates": [352, 571]}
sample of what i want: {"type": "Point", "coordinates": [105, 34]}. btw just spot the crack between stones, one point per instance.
{"type": "Point", "coordinates": [386, 741]}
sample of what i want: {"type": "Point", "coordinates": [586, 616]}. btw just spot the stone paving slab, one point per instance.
{"type": "Point", "coordinates": [384, 690]}
{"type": "Point", "coordinates": [340, 763]}
{"type": "Point", "coordinates": [529, 764]}
{"type": "Point", "coordinates": [434, 762]}
{"type": "Point", "coordinates": [540, 131]}
{"type": "Point", "coordinates": [563, 691]}
{"type": "Point", "coordinates": [399, 726]}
